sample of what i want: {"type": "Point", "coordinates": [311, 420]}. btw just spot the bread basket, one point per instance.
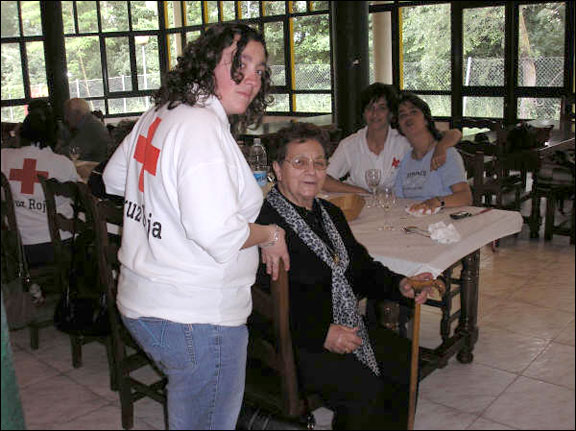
{"type": "Point", "coordinates": [350, 204]}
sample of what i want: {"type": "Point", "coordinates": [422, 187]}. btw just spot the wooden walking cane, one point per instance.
{"type": "Point", "coordinates": [417, 285]}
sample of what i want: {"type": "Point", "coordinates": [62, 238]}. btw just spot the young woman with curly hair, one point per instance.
{"type": "Point", "coordinates": [188, 245]}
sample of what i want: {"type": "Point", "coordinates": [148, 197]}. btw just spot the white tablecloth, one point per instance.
{"type": "Point", "coordinates": [411, 254]}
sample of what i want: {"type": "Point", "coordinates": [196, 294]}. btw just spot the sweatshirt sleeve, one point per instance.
{"type": "Point", "coordinates": [116, 170]}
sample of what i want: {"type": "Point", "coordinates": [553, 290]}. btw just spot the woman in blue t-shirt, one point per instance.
{"type": "Point", "coordinates": [444, 187]}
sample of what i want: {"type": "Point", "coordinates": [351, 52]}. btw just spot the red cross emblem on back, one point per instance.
{"type": "Point", "coordinates": [147, 154]}
{"type": "Point", "coordinates": [28, 176]}
{"type": "Point", "coordinates": [395, 162]}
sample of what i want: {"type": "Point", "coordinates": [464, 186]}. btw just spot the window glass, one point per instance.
{"type": "Point", "coordinates": [87, 16]}
{"type": "Point", "coordinates": [281, 103]}
{"type": "Point", "coordinates": [192, 35]}
{"type": "Point", "coordinates": [128, 104]}
{"type": "Point", "coordinates": [440, 106]}
{"type": "Point", "coordinates": [12, 86]}
{"type": "Point", "coordinates": [274, 8]}
{"type": "Point", "coordinates": [228, 10]}
{"type": "Point", "coordinates": [84, 63]}
{"type": "Point", "coordinates": [212, 7]}
{"type": "Point", "coordinates": [118, 64]}
{"type": "Point", "coordinates": [319, 5]}
{"type": "Point", "coordinates": [37, 69]}
{"type": "Point", "coordinates": [31, 21]}
{"type": "Point", "coordinates": [114, 15]}
{"type": "Point", "coordinates": [489, 107]}
{"type": "Point", "coordinates": [10, 26]}
{"type": "Point", "coordinates": [194, 12]}
{"type": "Point", "coordinates": [144, 15]}
{"type": "Point", "coordinates": [483, 46]}
{"type": "Point", "coordinates": [538, 108]}
{"type": "Point", "coordinates": [175, 46]}
{"type": "Point", "coordinates": [426, 47]}
{"type": "Point", "coordinates": [250, 9]}
{"type": "Point", "coordinates": [541, 45]}
{"type": "Point", "coordinates": [170, 15]}
{"type": "Point", "coordinates": [147, 62]}
{"type": "Point", "coordinates": [274, 36]}
{"type": "Point", "coordinates": [13, 114]}
{"type": "Point", "coordinates": [298, 6]}
{"type": "Point", "coordinates": [313, 103]}
{"type": "Point", "coordinates": [312, 53]}
{"type": "Point", "coordinates": [68, 17]}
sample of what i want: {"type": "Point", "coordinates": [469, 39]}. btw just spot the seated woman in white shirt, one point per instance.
{"type": "Point", "coordinates": [377, 145]}
{"type": "Point", "coordinates": [444, 187]}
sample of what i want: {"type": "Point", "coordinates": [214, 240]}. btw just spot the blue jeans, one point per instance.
{"type": "Point", "coordinates": [206, 369]}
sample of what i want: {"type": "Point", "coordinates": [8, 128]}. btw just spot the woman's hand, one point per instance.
{"type": "Point", "coordinates": [341, 339]}
{"type": "Point", "coordinates": [429, 204]}
{"type": "Point", "coordinates": [275, 250]}
{"type": "Point", "coordinates": [438, 158]}
{"type": "Point", "coordinates": [407, 290]}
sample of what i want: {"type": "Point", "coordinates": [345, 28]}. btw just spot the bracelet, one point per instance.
{"type": "Point", "coordinates": [275, 237]}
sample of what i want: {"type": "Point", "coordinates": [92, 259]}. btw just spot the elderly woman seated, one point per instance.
{"type": "Point", "coordinates": [360, 370]}
{"type": "Point", "coordinates": [444, 187]}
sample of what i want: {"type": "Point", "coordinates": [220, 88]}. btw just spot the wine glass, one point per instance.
{"type": "Point", "coordinates": [387, 201]}
{"type": "Point", "coordinates": [74, 152]}
{"type": "Point", "coordinates": [372, 177]}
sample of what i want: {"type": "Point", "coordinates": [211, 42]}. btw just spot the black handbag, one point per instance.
{"type": "Point", "coordinates": [256, 418]}
{"type": "Point", "coordinates": [80, 311]}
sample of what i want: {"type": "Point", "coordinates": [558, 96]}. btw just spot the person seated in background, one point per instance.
{"type": "Point", "coordinates": [21, 166]}
{"type": "Point", "coordinates": [361, 371]}
{"type": "Point", "coordinates": [85, 131]}
{"type": "Point", "coordinates": [377, 145]}
{"type": "Point", "coordinates": [95, 182]}
{"type": "Point", "coordinates": [444, 187]}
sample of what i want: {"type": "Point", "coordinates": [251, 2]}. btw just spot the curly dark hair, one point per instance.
{"type": "Point", "coordinates": [377, 91]}
{"type": "Point", "coordinates": [39, 126]}
{"type": "Point", "coordinates": [407, 96]}
{"type": "Point", "coordinates": [299, 133]}
{"type": "Point", "coordinates": [192, 81]}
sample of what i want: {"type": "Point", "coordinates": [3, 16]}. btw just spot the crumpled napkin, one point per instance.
{"type": "Point", "coordinates": [421, 213]}
{"type": "Point", "coordinates": [444, 234]}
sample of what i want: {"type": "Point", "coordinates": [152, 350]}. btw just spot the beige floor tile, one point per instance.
{"type": "Point", "coordinates": [432, 416]}
{"type": "Point", "coordinates": [529, 319]}
{"type": "Point", "coordinates": [567, 335]}
{"type": "Point", "coordinates": [105, 418]}
{"type": "Point", "coordinates": [546, 295]}
{"type": "Point", "coordinates": [29, 369]}
{"type": "Point", "coordinates": [485, 424]}
{"type": "Point", "coordinates": [48, 338]}
{"type": "Point", "coordinates": [554, 365]}
{"type": "Point", "coordinates": [57, 399]}
{"type": "Point", "coordinates": [506, 350]}
{"type": "Point", "coordinates": [149, 411]}
{"type": "Point", "coordinates": [465, 387]}
{"type": "Point", "coordinates": [534, 405]}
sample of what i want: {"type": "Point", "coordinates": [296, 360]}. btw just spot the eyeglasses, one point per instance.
{"type": "Point", "coordinates": [301, 163]}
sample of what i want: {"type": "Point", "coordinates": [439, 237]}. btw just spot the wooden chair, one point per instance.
{"type": "Point", "coordinates": [44, 275]}
{"type": "Point", "coordinates": [128, 356]}
{"type": "Point", "coordinates": [271, 376]}
{"type": "Point", "coordinates": [82, 226]}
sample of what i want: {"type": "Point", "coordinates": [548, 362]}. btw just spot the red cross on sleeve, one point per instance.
{"type": "Point", "coordinates": [146, 153]}
{"type": "Point", "coordinates": [28, 176]}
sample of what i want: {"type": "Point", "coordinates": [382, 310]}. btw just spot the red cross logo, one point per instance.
{"type": "Point", "coordinates": [147, 154]}
{"type": "Point", "coordinates": [28, 176]}
{"type": "Point", "coordinates": [395, 162]}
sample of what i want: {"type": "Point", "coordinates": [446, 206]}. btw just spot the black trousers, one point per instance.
{"type": "Point", "coordinates": [359, 398]}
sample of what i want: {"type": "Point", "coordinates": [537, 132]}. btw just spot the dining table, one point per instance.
{"type": "Point", "coordinates": [413, 253]}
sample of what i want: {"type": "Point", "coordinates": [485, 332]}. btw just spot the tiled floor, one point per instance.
{"type": "Point", "coordinates": [522, 376]}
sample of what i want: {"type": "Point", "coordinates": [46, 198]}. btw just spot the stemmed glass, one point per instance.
{"type": "Point", "coordinates": [373, 180]}
{"type": "Point", "coordinates": [74, 152]}
{"type": "Point", "coordinates": [387, 202]}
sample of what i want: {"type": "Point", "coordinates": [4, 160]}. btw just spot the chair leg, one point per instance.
{"type": "Point", "coordinates": [550, 212]}
{"type": "Point", "coordinates": [126, 401]}
{"type": "Point", "coordinates": [111, 363]}
{"type": "Point", "coordinates": [76, 344]}
{"type": "Point", "coordinates": [34, 337]}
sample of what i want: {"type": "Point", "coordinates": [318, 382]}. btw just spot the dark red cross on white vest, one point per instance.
{"type": "Point", "coordinates": [28, 176]}
{"type": "Point", "coordinates": [146, 153]}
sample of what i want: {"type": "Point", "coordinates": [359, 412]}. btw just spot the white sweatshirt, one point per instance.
{"type": "Point", "coordinates": [21, 167]}
{"type": "Point", "coordinates": [189, 196]}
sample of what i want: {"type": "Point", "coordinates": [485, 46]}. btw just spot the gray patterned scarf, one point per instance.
{"type": "Point", "coordinates": [344, 304]}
